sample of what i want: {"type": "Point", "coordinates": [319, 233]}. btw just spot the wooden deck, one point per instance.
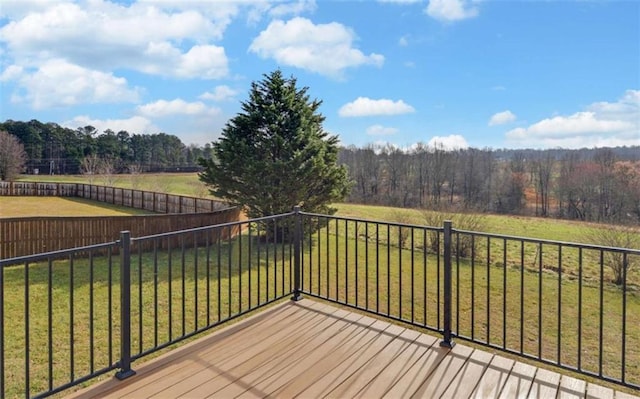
{"type": "Point", "coordinates": [308, 349]}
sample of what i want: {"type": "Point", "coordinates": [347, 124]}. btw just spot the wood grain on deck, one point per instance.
{"type": "Point", "coordinates": [309, 349]}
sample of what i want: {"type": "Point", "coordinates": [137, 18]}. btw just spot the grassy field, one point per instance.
{"type": "Point", "coordinates": [173, 183]}
{"type": "Point", "coordinates": [59, 206]}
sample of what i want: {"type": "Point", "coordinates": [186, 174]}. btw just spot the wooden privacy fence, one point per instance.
{"type": "Point", "coordinates": [139, 199]}
{"type": "Point", "coordinates": [32, 235]}
{"type": "Point", "coordinates": [27, 236]}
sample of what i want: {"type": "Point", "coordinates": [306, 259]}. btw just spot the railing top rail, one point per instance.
{"type": "Point", "coordinates": [550, 242]}
{"type": "Point", "coordinates": [217, 226]}
{"type": "Point", "coordinates": [59, 253]}
{"type": "Point", "coordinates": [390, 223]}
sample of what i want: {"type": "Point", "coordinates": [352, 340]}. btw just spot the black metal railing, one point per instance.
{"type": "Point", "coordinates": [69, 316]}
{"type": "Point", "coordinates": [550, 301]}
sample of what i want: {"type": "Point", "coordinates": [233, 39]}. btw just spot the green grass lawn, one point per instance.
{"type": "Point", "coordinates": [173, 183]}
{"type": "Point", "coordinates": [61, 206]}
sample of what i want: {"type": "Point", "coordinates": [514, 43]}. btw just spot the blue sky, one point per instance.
{"type": "Point", "coordinates": [479, 73]}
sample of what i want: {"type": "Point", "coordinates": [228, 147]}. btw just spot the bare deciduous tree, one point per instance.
{"type": "Point", "coordinates": [618, 237]}
{"type": "Point", "coordinates": [12, 156]}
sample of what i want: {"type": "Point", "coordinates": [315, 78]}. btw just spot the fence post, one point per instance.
{"type": "Point", "coordinates": [125, 306]}
{"type": "Point", "coordinates": [446, 341]}
{"type": "Point", "coordinates": [297, 244]}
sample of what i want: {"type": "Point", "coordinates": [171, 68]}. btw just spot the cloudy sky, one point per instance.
{"type": "Point", "coordinates": [480, 73]}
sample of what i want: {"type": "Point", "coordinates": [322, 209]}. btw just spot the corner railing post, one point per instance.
{"type": "Point", "coordinates": [125, 307]}
{"type": "Point", "coordinates": [297, 245]}
{"type": "Point", "coordinates": [447, 339]}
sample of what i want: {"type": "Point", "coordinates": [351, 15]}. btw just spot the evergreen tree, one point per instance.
{"type": "Point", "coordinates": [275, 154]}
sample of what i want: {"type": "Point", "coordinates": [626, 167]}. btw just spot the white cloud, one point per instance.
{"type": "Point", "coordinates": [219, 93]}
{"type": "Point", "coordinates": [194, 122]}
{"type": "Point", "coordinates": [326, 49]}
{"type": "Point", "coordinates": [501, 118]}
{"type": "Point", "coordinates": [153, 37]}
{"type": "Point", "coordinates": [295, 8]}
{"type": "Point", "coordinates": [164, 108]}
{"type": "Point", "coordinates": [20, 8]}
{"type": "Point", "coordinates": [379, 130]}
{"type": "Point", "coordinates": [205, 62]}
{"type": "Point", "coordinates": [451, 142]}
{"type": "Point", "coordinates": [12, 72]}
{"type": "Point", "coordinates": [135, 124]}
{"type": "Point", "coordinates": [59, 83]}
{"type": "Point", "coordinates": [601, 124]}
{"type": "Point", "coordinates": [403, 41]}
{"type": "Point", "coordinates": [364, 106]}
{"type": "Point", "coordinates": [451, 10]}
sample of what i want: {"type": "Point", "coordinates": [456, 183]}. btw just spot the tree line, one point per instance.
{"type": "Point", "coordinates": [597, 184]}
{"type": "Point", "coordinates": [601, 184]}
{"type": "Point", "coordinates": [53, 149]}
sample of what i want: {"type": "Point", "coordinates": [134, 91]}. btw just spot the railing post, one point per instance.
{"type": "Point", "coordinates": [297, 245]}
{"type": "Point", "coordinates": [446, 341]}
{"type": "Point", "coordinates": [125, 306]}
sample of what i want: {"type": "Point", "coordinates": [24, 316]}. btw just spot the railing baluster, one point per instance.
{"type": "Point", "coordinates": [2, 326]}
{"type": "Point", "coordinates": [625, 263]}
{"type": "Point", "coordinates": [125, 307]}
{"type": "Point", "coordinates": [580, 309]}
{"type": "Point", "coordinates": [155, 292]}
{"type": "Point", "coordinates": [488, 290]}
{"type": "Point", "coordinates": [540, 254]}
{"type": "Point", "coordinates": [346, 261]}
{"type": "Point", "coordinates": [356, 260]}
{"type": "Point", "coordinates": [377, 267]}
{"type": "Point", "coordinates": [521, 296]}
{"type": "Point", "coordinates": [26, 332]}
{"type": "Point", "coordinates": [412, 275]}
{"type": "Point", "coordinates": [473, 286]}
{"type": "Point", "coordinates": [504, 293]}
{"type": "Point", "coordinates": [91, 305]}
{"type": "Point", "coordinates": [601, 309]}
{"type": "Point", "coordinates": [388, 269]}
{"type": "Point", "coordinates": [297, 238]}
{"type": "Point", "coordinates": [71, 323]}
{"type": "Point", "coordinates": [110, 303]}
{"type": "Point", "coordinates": [183, 285]}
{"type": "Point", "coordinates": [447, 338]}
{"type": "Point", "coordinates": [170, 286]}
{"type": "Point", "coordinates": [559, 348]}
{"type": "Point", "coordinates": [195, 281]}
{"type": "Point", "coordinates": [140, 307]}
{"type": "Point", "coordinates": [49, 323]}
{"type": "Point", "coordinates": [366, 265]}
{"type": "Point", "coordinates": [400, 272]}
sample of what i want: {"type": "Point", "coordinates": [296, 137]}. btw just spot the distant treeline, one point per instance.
{"type": "Point", "coordinates": [587, 184]}
{"type": "Point", "coordinates": [591, 184]}
{"type": "Point", "coordinates": [53, 149]}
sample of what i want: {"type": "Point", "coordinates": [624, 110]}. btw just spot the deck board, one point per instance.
{"type": "Point", "coordinates": [310, 349]}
